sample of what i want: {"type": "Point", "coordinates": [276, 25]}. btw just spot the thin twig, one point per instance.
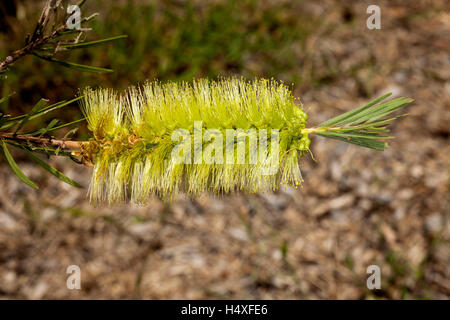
{"type": "Point", "coordinates": [36, 41]}
{"type": "Point", "coordinates": [28, 49]}
{"type": "Point", "coordinates": [63, 144]}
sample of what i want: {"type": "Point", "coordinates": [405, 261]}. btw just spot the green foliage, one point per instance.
{"type": "Point", "coordinates": [52, 170]}
{"type": "Point", "coordinates": [364, 126]}
{"type": "Point", "coordinates": [38, 106]}
{"type": "Point", "coordinates": [75, 66]}
{"type": "Point", "coordinates": [90, 44]}
{"type": "Point", "coordinates": [15, 168]}
{"type": "Point", "coordinates": [37, 111]}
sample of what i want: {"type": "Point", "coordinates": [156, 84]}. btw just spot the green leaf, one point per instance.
{"type": "Point", "coordinates": [358, 118]}
{"type": "Point", "coordinates": [43, 131]}
{"type": "Point", "coordinates": [383, 121]}
{"type": "Point", "coordinates": [52, 127]}
{"type": "Point", "coordinates": [38, 106]}
{"type": "Point", "coordinates": [362, 142]}
{"type": "Point", "coordinates": [351, 113]}
{"type": "Point", "coordinates": [66, 125]}
{"type": "Point", "coordinates": [4, 99]}
{"type": "Point", "coordinates": [377, 112]}
{"type": "Point", "coordinates": [364, 126]}
{"type": "Point", "coordinates": [52, 170]}
{"type": "Point", "coordinates": [55, 106]}
{"type": "Point", "coordinates": [70, 133]}
{"type": "Point", "coordinates": [15, 168]}
{"type": "Point", "coordinates": [95, 43]}
{"type": "Point", "coordinates": [43, 111]}
{"type": "Point", "coordinates": [364, 135]}
{"type": "Point", "coordinates": [75, 66]}
{"type": "Point", "coordinates": [80, 67]}
{"type": "Point", "coordinates": [7, 125]}
{"type": "Point", "coordinates": [399, 103]}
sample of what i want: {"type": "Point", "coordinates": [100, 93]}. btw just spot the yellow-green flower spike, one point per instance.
{"type": "Point", "coordinates": [257, 124]}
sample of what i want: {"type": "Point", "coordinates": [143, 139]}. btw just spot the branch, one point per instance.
{"type": "Point", "coordinates": [45, 45]}
{"type": "Point", "coordinates": [37, 38]}
{"type": "Point", "coordinates": [29, 48]}
{"type": "Point", "coordinates": [63, 144]}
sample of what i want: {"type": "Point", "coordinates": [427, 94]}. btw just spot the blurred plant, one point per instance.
{"type": "Point", "coordinates": [51, 35]}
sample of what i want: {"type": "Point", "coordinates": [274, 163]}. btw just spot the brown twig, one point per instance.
{"type": "Point", "coordinates": [28, 49]}
{"type": "Point", "coordinates": [63, 144]}
{"type": "Point", "coordinates": [35, 42]}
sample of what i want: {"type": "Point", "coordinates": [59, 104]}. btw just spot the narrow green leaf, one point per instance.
{"type": "Point", "coordinates": [70, 133]}
{"type": "Point", "coordinates": [43, 111]}
{"type": "Point", "coordinates": [360, 116]}
{"type": "Point", "coordinates": [52, 127]}
{"type": "Point", "coordinates": [15, 168]}
{"type": "Point", "coordinates": [43, 131]}
{"type": "Point", "coordinates": [399, 104]}
{"type": "Point", "coordinates": [4, 99]}
{"type": "Point", "coordinates": [350, 113]}
{"type": "Point", "coordinates": [364, 135]}
{"type": "Point", "coordinates": [55, 106]}
{"type": "Point", "coordinates": [66, 124]}
{"type": "Point", "coordinates": [368, 143]}
{"type": "Point", "coordinates": [75, 66]}
{"type": "Point", "coordinates": [90, 44]}
{"type": "Point", "coordinates": [8, 125]}
{"type": "Point", "coordinates": [383, 122]}
{"type": "Point", "coordinates": [376, 125]}
{"type": "Point", "coordinates": [81, 67]}
{"type": "Point", "coordinates": [38, 106]}
{"type": "Point", "coordinates": [378, 112]}
{"type": "Point", "coordinates": [52, 170]}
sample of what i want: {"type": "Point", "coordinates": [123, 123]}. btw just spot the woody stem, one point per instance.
{"type": "Point", "coordinates": [63, 144]}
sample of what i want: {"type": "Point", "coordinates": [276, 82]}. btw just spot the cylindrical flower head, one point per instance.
{"type": "Point", "coordinates": [220, 136]}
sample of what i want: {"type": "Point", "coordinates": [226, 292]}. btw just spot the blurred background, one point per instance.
{"type": "Point", "coordinates": [357, 207]}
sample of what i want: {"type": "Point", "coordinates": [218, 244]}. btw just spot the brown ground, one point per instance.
{"type": "Point", "coordinates": [358, 207]}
